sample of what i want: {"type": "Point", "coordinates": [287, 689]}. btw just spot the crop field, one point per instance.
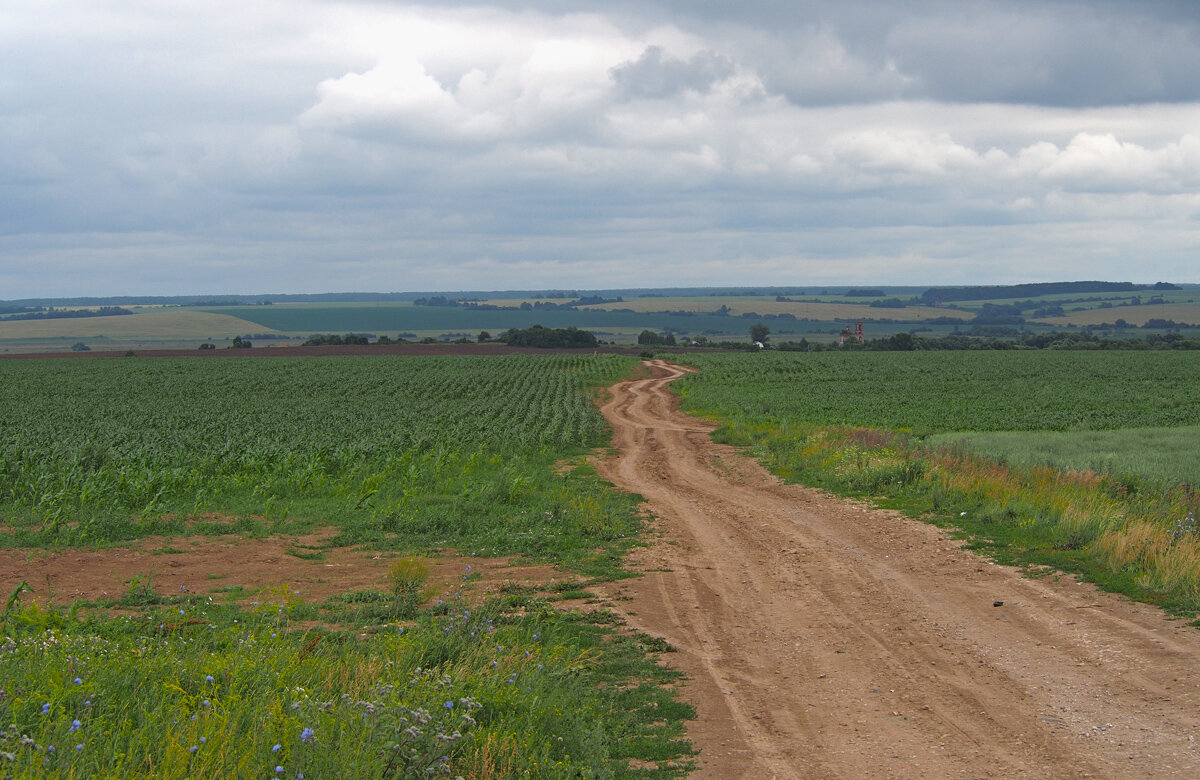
{"type": "Point", "coordinates": [806, 310]}
{"type": "Point", "coordinates": [1047, 463]}
{"type": "Point", "coordinates": [1136, 316]}
{"type": "Point", "coordinates": [422, 459]}
{"type": "Point", "coordinates": [938, 392]}
{"type": "Point", "coordinates": [391, 318]}
{"type": "Point", "coordinates": [148, 327]}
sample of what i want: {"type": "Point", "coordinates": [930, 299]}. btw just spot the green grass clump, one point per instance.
{"type": "Point", "coordinates": [204, 691]}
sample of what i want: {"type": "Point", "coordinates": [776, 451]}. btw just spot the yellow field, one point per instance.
{"type": "Point", "coordinates": [764, 305]}
{"type": "Point", "coordinates": [154, 324]}
{"type": "Point", "coordinates": [1134, 315]}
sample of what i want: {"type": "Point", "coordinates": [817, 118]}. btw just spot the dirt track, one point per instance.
{"type": "Point", "coordinates": [826, 639]}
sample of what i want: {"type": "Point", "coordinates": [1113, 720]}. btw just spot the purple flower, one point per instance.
{"type": "Point", "coordinates": [449, 705]}
{"type": "Point", "coordinates": [208, 678]}
{"type": "Point", "coordinates": [74, 727]}
{"type": "Point", "coordinates": [193, 748]}
{"type": "Point", "coordinates": [306, 735]}
{"type": "Point", "coordinates": [46, 708]}
{"type": "Point", "coordinates": [278, 770]}
{"type": "Point", "coordinates": [276, 748]}
{"type": "Point", "coordinates": [78, 681]}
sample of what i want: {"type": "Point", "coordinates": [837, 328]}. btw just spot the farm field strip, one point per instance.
{"type": "Point", "coordinates": [152, 325]}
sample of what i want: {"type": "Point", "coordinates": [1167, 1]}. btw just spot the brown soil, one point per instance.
{"type": "Point", "coordinates": [213, 565]}
{"type": "Point", "coordinates": [824, 638]}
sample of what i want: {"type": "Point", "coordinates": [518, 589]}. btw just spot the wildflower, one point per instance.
{"type": "Point", "coordinates": [193, 748]}
{"type": "Point", "coordinates": [208, 678]}
{"type": "Point", "coordinates": [79, 746]}
{"type": "Point", "coordinates": [203, 740]}
{"type": "Point", "coordinates": [276, 748]}
{"type": "Point", "coordinates": [306, 735]}
{"type": "Point", "coordinates": [46, 708]}
{"type": "Point", "coordinates": [207, 703]}
{"type": "Point", "coordinates": [181, 611]}
{"type": "Point", "coordinates": [74, 727]}
{"type": "Point", "coordinates": [449, 705]}
{"type": "Point", "coordinates": [78, 681]}
{"type": "Point", "coordinates": [278, 770]}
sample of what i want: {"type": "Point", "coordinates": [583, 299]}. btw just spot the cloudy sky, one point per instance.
{"type": "Point", "coordinates": [207, 146]}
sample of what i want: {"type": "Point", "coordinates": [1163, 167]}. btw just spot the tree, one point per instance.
{"type": "Point", "coordinates": [484, 336]}
{"type": "Point", "coordinates": [759, 333]}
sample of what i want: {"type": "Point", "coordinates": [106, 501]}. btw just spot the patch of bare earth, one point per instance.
{"type": "Point", "coordinates": [229, 564]}
{"type": "Point", "coordinates": [826, 639]}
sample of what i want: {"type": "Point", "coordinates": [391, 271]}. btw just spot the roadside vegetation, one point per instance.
{"type": "Point", "coordinates": [955, 438]}
{"type": "Point", "coordinates": [412, 457]}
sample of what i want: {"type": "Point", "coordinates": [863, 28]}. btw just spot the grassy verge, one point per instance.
{"type": "Point", "coordinates": [512, 688]}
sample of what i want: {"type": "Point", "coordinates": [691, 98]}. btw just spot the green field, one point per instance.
{"type": "Point", "coordinates": [1162, 455]}
{"type": "Point", "coordinates": [937, 392]}
{"type": "Point", "coordinates": [432, 456]}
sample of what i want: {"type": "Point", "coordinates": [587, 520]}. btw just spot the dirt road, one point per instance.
{"type": "Point", "coordinates": [826, 639]}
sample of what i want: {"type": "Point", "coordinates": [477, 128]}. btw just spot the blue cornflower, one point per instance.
{"type": "Point", "coordinates": [79, 746]}
{"type": "Point", "coordinates": [74, 727]}
{"type": "Point", "coordinates": [449, 705]}
{"type": "Point", "coordinates": [306, 735]}
{"type": "Point", "coordinates": [207, 703]}
{"type": "Point", "coordinates": [208, 678]}
{"type": "Point", "coordinates": [193, 748]}
{"type": "Point", "coordinates": [278, 770]}
{"type": "Point", "coordinates": [276, 748]}
{"type": "Point", "coordinates": [46, 708]}
{"type": "Point", "coordinates": [78, 681]}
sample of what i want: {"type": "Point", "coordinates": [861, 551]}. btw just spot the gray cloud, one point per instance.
{"type": "Point", "coordinates": [390, 146]}
{"type": "Point", "coordinates": [657, 75]}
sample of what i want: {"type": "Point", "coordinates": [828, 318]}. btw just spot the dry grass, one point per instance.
{"type": "Point", "coordinates": [150, 325]}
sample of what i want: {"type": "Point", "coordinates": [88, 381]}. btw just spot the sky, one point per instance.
{"type": "Point", "coordinates": [173, 147]}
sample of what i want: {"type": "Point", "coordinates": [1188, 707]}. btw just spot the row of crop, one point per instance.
{"type": "Point", "coordinates": [931, 392]}
{"type": "Point", "coordinates": [120, 448]}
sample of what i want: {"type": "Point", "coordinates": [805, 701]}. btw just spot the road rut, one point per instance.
{"type": "Point", "coordinates": [825, 639]}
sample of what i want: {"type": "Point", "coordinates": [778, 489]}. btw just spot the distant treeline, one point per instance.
{"type": "Point", "coordinates": [586, 300]}
{"type": "Point", "coordinates": [1074, 340]}
{"type": "Point", "coordinates": [947, 294]}
{"type": "Point", "coordinates": [41, 313]}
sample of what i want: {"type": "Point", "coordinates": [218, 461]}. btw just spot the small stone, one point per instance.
{"type": "Point", "coordinates": [997, 603]}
